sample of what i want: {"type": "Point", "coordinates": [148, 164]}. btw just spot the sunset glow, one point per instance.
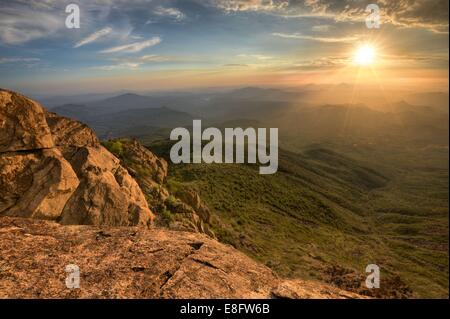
{"type": "Point", "coordinates": [365, 55]}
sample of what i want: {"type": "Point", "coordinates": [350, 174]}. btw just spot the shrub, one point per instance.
{"type": "Point", "coordinates": [115, 147]}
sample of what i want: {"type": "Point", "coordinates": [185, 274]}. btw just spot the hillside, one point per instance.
{"type": "Point", "coordinates": [325, 216]}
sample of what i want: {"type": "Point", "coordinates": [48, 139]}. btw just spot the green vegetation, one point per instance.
{"type": "Point", "coordinates": [384, 202]}
{"type": "Point", "coordinates": [115, 147]}
{"type": "Point", "coordinates": [323, 209]}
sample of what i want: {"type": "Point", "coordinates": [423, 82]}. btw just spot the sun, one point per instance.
{"type": "Point", "coordinates": [365, 55]}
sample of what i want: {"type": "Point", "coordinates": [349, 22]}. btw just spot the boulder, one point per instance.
{"type": "Point", "coordinates": [55, 168]}
{"type": "Point", "coordinates": [67, 132]}
{"type": "Point", "coordinates": [22, 124]}
{"type": "Point", "coordinates": [36, 184]}
{"type": "Point", "coordinates": [192, 198]}
{"type": "Point", "coordinates": [156, 168]}
{"type": "Point", "coordinates": [107, 194]}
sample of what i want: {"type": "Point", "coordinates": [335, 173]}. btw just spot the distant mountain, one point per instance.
{"type": "Point", "coordinates": [348, 123]}
{"type": "Point", "coordinates": [54, 101]}
{"type": "Point", "coordinates": [75, 111]}
{"type": "Point", "coordinates": [126, 115]}
{"type": "Point", "coordinates": [124, 102]}
{"type": "Point", "coordinates": [290, 110]}
{"type": "Point", "coordinates": [256, 93]}
{"type": "Point", "coordinates": [439, 100]}
{"type": "Point", "coordinates": [209, 104]}
{"type": "Point", "coordinates": [116, 124]}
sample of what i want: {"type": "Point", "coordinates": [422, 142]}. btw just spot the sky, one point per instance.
{"type": "Point", "coordinates": [151, 45]}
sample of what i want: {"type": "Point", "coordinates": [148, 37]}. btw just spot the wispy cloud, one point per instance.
{"type": "Point", "coordinates": [154, 58]}
{"type": "Point", "coordinates": [344, 39]}
{"type": "Point", "coordinates": [236, 65]}
{"type": "Point", "coordinates": [133, 47]}
{"type": "Point", "coordinates": [424, 14]}
{"type": "Point", "coordinates": [118, 66]}
{"type": "Point", "coordinates": [136, 62]}
{"type": "Point", "coordinates": [250, 5]}
{"type": "Point", "coordinates": [321, 28]}
{"type": "Point", "coordinates": [260, 57]}
{"type": "Point", "coordinates": [321, 63]}
{"type": "Point", "coordinates": [93, 37]}
{"type": "Point", "coordinates": [18, 60]}
{"type": "Point", "coordinates": [170, 12]}
{"type": "Point", "coordinates": [20, 24]}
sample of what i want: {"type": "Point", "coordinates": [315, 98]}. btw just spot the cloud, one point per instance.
{"type": "Point", "coordinates": [250, 5]}
{"type": "Point", "coordinates": [118, 66]}
{"type": "Point", "coordinates": [149, 58]}
{"type": "Point", "coordinates": [18, 60]}
{"type": "Point", "coordinates": [324, 62]}
{"type": "Point", "coordinates": [236, 65]}
{"type": "Point", "coordinates": [20, 24]}
{"type": "Point", "coordinates": [135, 62]}
{"type": "Point", "coordinates": [154, 58]}
{"type": "Point", "coordinates": [345, 39]}
{"type": "Point", "coordinates": [169, 12]}
{"type": "Point", "coordinates": [432, 15]}
{"type": "Point", "coordinates": [321, 28]}
{"type": "Point", "coordinates": [260, 57]}
{"type": "Point", "coordinates": [425, 14]}
{"type": "Point", "coordinates": [93, 37]}
{"type": "Point", "coordinates": [133, 47]}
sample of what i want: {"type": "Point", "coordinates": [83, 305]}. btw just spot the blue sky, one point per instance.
{"type": "Point", "coordinates": [153, 44]}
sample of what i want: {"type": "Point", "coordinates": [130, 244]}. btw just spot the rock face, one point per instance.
{"type": "Point", "coordinates": [157, 167]}
{"type": "Point", "coordinates": [134, 262]}
{"type": "Point", "coordinates": [22, 124]}
{"type": "Point", "coordinates": [178, 210]}
{"type": "Point", "coordinates": [36, 184]}
{"type": "Point", "coordinates": [55, 168]}
{"type": "Point", "coordinates": [191, 198]}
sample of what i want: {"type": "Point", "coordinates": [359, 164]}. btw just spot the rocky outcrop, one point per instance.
{"type": "Point", "coordinates": [107, 194]}
{"type": "Point", "coordinates": [22, 124]}
{"type": "Point", "coordinates": [156, 167]}
{"type": "Point", "coordinates": [393, 286]}
{"type": "Point", "coordinates": [35, 184]}
{"type": "Point", "coordinates": [179, 210]}
{"type": "Point", "coordinates": [55, 168]}
{"type": "Point", "coordinates": [192, 198]}
{"type": "Point", "coordinates": [70, 133]}
{"type": "Point", "coordinates": [133, 262]}
{"type": "Point", "coordinates": [302, 289]}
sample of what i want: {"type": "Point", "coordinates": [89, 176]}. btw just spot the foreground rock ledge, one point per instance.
{"type": "Point", "coordinates": [132, 262]}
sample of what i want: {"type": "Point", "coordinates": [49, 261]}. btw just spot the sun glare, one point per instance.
{"type": "Point", "coordinates": [365, 55]}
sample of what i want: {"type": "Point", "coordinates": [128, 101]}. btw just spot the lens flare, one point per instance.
{"type": "Point", "coordinates": [365, 55]}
